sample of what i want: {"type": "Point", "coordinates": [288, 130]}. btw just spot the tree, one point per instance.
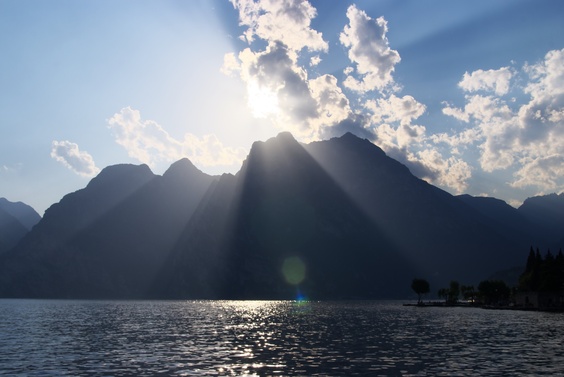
{"type": "Point", "coordinates": [468, 292]}
{"type": "Point", "coordinates": [443, 293]}
{"type": "Point", "coordinates": [543, 274]}
{"type": "Point", "coordinates": [421, 287]}
{"type": "Point", "coordinates": [493, 291]}
{"type": "Point", "coordinates": [453, 292]}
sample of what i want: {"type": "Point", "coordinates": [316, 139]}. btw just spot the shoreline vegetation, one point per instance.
{"type": "Point", "coordinates": [442, 304]}
{"type": "Point", "coordinates": [540, 288]}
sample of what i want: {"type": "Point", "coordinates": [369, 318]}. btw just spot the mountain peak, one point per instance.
{"type": "Point", "coordinates": [274, 148]}
{"type": "Point", "coordinates": [127, 173]}
{"type": "Point", "coordinates": [182, 167]}
{"type": "Point", "coordinates": [285, 136]}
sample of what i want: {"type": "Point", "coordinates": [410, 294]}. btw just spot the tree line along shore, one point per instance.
{"type": "Point", "coordinates": [540, 287]}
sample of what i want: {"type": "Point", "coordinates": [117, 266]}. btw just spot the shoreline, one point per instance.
{"type": "Point", "coordinates": [438, 304]}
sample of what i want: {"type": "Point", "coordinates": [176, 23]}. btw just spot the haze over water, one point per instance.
{"type": "Point", "coordinates": [146, 338]}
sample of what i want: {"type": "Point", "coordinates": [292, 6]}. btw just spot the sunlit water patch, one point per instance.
{"type": "Point", "coordinates": [148, 338]}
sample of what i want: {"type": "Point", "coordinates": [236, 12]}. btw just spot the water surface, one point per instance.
{"type": "Point", "coordinates": [263, 338]}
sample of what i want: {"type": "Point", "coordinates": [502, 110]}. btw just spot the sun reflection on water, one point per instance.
{"type": "Point", "coordinates": [257, 338]}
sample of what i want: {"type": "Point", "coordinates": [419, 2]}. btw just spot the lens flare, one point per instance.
{"type": "Point", "coordinates": [294, 270]}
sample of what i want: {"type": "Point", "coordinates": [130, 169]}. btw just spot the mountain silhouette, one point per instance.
{"type": "Point", "coordinates": [16, 219]}
{"type": "Point", "coordinates": [334, 219]}
{"type": "Point", "coordinates": [24, 213]}
{"type": "Point", "coordinates": [108, 239]}
{"type": "Point", "coordinates": [547, 212]}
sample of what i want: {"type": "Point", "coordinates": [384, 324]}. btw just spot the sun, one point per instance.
{"type": "Point", "coordinates": [263, 101]}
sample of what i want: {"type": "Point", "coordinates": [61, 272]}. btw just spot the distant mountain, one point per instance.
{"type": "Point", "coordinates": [548, 213]}
{"type": "Point", "coordinates": [24, 213]}
{"type": "Point", "coordinates": [538, 222]}
{"type": "Point", "coordinates": [331, 219]}
{"type": "Point", "coordinates": [16, 219]}
{"type": "Point", "coordinates": [509, 221]}
{"type": "Point", "coordinates": [108, 239]}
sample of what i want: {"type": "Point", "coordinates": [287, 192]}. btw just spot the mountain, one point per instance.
{"type": "Point", "coordinates": [548, 212]}
{"type": "Point", "coordinates": [281, 209]}
{"type": "Point", "coordinates": [329, 220]}
{"type": "Point", "coordinates": [538, 222]}
{"type": "Point", "coordinates": [362, 225]}
{"type": "Point", "coordinates": [24, 213]}
{"type": "Point", "coordinates": [16, 219]}
{"type": "Point", "coordinates": [108, 239]}
{"type": "Point", "coordinates": [509, 221]}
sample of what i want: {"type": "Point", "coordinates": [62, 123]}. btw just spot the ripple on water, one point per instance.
{"type": "Point", "coordinates": [187, 338]}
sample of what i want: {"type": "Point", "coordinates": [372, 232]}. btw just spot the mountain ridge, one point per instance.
{"type": "Point", "coordinates": [357, 222]}
{"type": "Point", "coordinates": [16, 219]}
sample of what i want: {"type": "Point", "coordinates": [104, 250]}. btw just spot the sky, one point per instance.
{"type": "Point", "coordinates": [468, 95]}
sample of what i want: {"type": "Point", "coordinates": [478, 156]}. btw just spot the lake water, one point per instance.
{"type": "Point", "coordinates": [280, 338]}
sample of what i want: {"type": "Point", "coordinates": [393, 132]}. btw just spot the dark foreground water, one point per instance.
{"type": "Point", "coordinates": [148, 338]}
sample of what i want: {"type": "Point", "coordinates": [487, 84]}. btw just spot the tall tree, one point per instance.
{"type": "Point", "coordinates": [531, 259]}
{"type": "Point", "coordinates": [453, 292]}
{"type": "Point", "coordinates": [468, 292]}
{"type": "Point", "coordinates": [421, 287]}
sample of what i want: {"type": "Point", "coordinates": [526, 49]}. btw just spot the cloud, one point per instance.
{"type": "Point", "coordinates": [493, 130]}
{"type": "Point", "coordinates": [522, 135]}
{"type": "Point", "coordinates": [281, 88]}
{"type": "Point", "coordinates": [314, 61]}
{"type": "Point", "coordinates": [11, 168]}
{"type": "Point", "coordinates": [527, 138]}
{"type": "Point", "coordinates": [333, 106]}
{"type": "Point", "coordinates": [451, 172]}
{"type": "Point", "coordinates": [491, 80]}
{"type": "Point", "coordinates": [392, 124]}
{"type": "Point", "coordinates": [285, 21]}
{"type": "Point", "coordinates": [274, 72]}
{"type": "Point", "coordinates": [67, 153]}
{"type": "Point", "coordinates": [369, 50]}
{"type": "Point", "coordinates": [149, 143]}
{"type": "Point", "coordinates": [545, 172]}
{"type": "Point", "coordinates": [395, 109]}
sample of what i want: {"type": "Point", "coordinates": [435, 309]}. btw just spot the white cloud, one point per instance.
{"type": "Point", "coordinates": [285, 21]}
{"type": "Point", "coordinates": [67, 153]}
{"type": "Point", "coordinates": [491, 80]}
{"type": "Point", "coordinates": [392, 123]}
{"type": "Point", "coordinates": [332, 104]}
{"type": "Point", "coordinates": [544, 172]}
{"type": "Point", "coordinates": [451, 172]}
{"type": "Point", "coordinates": [463, 138]}
{"type": "Point", "coordinates": [315, 60]}
{"type": "Point", "coordinates": [230, 64]}
{"type": "Point", "coordinates": [389, 137]}
{"type": "Point", "coordinates": [527, 138]}
{"type": "Point", "coordinates": [369, 50]}
{"type": "Point", "coordinates": [149, 143]}
{"type": "Point", "coordinates": [481, 108]}
{"type": "Point", "coordinates": [280, 90]}
{"type": "Point", "coordinates": [395, 109]}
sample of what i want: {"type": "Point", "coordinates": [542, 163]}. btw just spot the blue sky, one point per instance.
{"type": "Point", "coordinates": [469, 95]}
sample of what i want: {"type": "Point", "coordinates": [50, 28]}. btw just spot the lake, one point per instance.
{"type": "Point", "coordinates": [279, 338]}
